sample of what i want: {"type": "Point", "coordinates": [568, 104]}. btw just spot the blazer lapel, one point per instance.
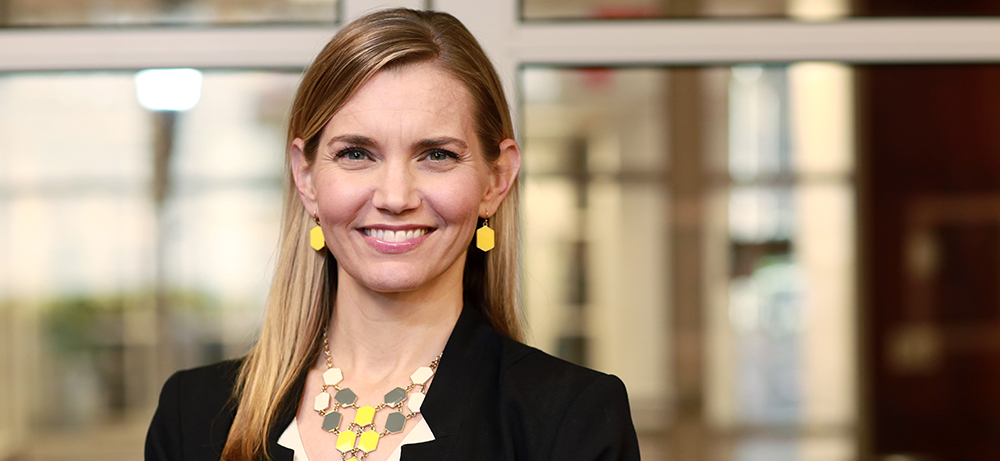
{"type": "Point", "coordinates": [280, 453]}
{"type": "Point", "coordinates": [289, 409]}
{"type": "Point", "coordinates": [454, 381]}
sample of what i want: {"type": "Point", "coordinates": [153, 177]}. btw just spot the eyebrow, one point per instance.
{"type": "Point", "coordinates": [438, 142]}
{"type": "Point", "coordinates": [365, 141]}
{"type": "Point", "coordinates": [355, 139]}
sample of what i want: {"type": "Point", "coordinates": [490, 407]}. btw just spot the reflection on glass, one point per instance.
{"type": "Point", "coordinates": [120, 12]}
{"type": "Point", "coordinates": [133, 243]}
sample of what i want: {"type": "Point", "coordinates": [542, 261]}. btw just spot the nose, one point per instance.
{"type": "Point", "coordinates": [396, 190]}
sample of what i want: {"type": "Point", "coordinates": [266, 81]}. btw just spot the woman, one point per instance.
{"type": "Point", "coordinates": [391, 332]}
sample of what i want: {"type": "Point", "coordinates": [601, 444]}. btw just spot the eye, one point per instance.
{"type": "Point", "coordinates": [439, 155]}
{"type": "Point", "coordinates": [353, 153]}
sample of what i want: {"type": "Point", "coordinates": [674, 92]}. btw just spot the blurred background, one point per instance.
{"type": "Point", "coordinates": [786, 252]}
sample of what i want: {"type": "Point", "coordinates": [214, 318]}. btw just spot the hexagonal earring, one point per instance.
{"type": "Point", "coordinates": [316, 239]}
{"type": "Point", "coordinates": [485, 237]}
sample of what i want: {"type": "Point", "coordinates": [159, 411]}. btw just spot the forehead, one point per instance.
{"type": "Point", "coordinates": [416, 92]}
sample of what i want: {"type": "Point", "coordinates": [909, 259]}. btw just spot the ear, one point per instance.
{"type": "Point", "coordinates": [502, 177]}
{"type": "Point", "coordinates": [302, 174]}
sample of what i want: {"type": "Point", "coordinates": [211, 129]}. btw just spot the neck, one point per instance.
{"type": "Point", "coordinates": [374, 336]}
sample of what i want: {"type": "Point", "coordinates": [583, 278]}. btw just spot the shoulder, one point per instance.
{"type": "Point", "coordinates": [218, 376]}
{"type": "Point", "coordinates": [525, 367]}
{"type": "Point", "coordinates": [584, 413]}
{"type": "Point", "coordinates": [194, 413]}
{"type": "Point", "coordinates": [201, 391]}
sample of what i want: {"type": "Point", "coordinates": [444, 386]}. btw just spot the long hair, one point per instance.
{"type": "Point", "coordinates": [300, 303]}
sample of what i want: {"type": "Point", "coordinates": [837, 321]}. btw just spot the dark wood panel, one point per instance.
{"type": "Point", "coordinates": [932, 137]}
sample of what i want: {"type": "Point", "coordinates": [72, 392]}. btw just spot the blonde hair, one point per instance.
{"type": "Point", "coordinates": [300, 303]}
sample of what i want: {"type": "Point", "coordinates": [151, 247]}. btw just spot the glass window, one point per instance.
{"type": "Point", "coordinates": [136, 12]}
{"type": "Point", "coordinates": [692, 231]}
{"type": "Point", "coordinates": [596, 235]}
{"type": "Point", "coordinates": [134, 243]}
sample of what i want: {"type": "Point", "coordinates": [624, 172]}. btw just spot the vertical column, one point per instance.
{"type": "Point", "coordinates": [688, 183]}
{"type": "Point", "coordinates": [164, 123]}
{"type": "Point", "coordinates": [573, 339]}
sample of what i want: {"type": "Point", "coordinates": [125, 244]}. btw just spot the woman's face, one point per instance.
{"type": "Point", "coordinates": [399, 179]}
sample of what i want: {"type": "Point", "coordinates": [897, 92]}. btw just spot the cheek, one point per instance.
{"type": "Point", "coordinates": [340, 199]}
{"type": "Point", "coordinates": [457, 201]}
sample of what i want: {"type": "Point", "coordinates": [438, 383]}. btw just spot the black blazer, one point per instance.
{"type": "Point", "coordinates": [492, 398]}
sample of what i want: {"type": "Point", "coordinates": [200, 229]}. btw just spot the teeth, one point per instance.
{"type": "Point", "coordinates": [395, 236]}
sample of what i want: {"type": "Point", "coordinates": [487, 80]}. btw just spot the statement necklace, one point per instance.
{"type": "Point", "coordinates": [361, 437]}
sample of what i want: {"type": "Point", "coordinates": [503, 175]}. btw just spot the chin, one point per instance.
{"type": "Point", "coordinates": [402, 278]}
{"type": "Point", "coordinates": [394, 283]}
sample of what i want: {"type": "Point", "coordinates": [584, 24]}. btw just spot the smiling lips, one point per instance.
{"type": "Point", "coordinates": [391, 241]}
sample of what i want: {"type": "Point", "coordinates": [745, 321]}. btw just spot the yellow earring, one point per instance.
{"type": "Point", "coordinates": [316, 239]}
{"type": "Point", "coordinates": [485, 237]}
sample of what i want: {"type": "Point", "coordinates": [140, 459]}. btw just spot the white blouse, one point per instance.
{"type": "Point", "coordinates": [290, 439]}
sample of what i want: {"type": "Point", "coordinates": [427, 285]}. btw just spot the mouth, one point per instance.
{"type": "Point", "coordinates": [396, 236]}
